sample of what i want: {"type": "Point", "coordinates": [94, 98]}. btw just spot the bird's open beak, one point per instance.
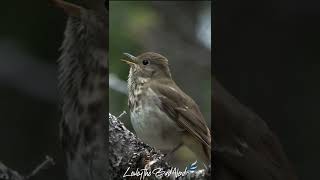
{"type": "Point", "coordinates": [132, 59]}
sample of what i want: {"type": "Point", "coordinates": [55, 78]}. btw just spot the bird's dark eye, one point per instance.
{"type": "Point", "coordinates": [145, 62]}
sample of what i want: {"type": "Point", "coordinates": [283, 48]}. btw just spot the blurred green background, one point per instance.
{"type": "Point", "coordinates": [179, 30]}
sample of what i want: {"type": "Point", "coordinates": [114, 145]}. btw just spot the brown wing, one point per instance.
{"type": "Point", "coordinates": [184, 110]}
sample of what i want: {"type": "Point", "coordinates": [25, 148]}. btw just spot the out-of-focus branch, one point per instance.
{"type": "Point", "coordinates": [18, 69]}
{"type": "Point", "coordinates": [115, 83]}
{"type": "Point", "coordinates": [9, 174]}
{"type": "Point", "coordinates": [27, 74]}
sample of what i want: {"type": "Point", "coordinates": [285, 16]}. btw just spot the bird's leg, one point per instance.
{"type": "Point", "coordinates": [169, 155]}
{"type": "Point", "coordinates": [148, 163]}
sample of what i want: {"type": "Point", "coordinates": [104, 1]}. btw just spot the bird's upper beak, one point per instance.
{"type": "Point", "coordinates": [132, 59]}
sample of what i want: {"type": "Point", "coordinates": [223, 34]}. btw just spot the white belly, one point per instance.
{"type": "Point", "coordinates": [154, 127]}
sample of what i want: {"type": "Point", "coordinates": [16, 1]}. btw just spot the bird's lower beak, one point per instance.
{"type": "Point", "coordinates": [132, 59]}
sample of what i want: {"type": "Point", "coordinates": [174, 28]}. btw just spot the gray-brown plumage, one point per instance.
{"type": "Point", "coordinates": [161, 113]}
{"type": "Point", "coordinates": [83, 89]}
{"type": "Point", "coordinates": [245, 148]}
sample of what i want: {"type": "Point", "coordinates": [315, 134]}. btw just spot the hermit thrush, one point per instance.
{"type": "Point", "coordinates": [162, 115]}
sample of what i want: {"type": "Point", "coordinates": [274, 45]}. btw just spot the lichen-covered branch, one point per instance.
{"type": "Point", "coordinates": [128, 153]}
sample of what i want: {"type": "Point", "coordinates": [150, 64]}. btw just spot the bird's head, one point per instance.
{"type": "Point", "coordinates": [148, 65]}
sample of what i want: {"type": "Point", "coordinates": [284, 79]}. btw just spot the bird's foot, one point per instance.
{"type": "Point", "coordinates": [169, 154]}
{"type": "Point", "coordinates": [147, 161]}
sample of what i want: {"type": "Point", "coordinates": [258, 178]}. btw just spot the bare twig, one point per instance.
{"type": "Point", "coordinates": [45, 164]}
{"type": "Point", "coordinates": [123, 113]}
{"type": "Point", "coordinates": [9, 174]}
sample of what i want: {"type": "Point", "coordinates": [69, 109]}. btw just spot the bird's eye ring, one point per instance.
{"type": "Point", "coordinates": [145, 62]}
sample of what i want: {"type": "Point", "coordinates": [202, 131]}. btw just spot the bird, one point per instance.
{"type": "Point", "coordinates": [161, 114]}
{"type": "Point", "coordinates": [83, 89]}
{"type": "Point", "coordinates": [245, 147]}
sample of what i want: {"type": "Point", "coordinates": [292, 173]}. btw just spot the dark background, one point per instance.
{"type": "Point", "coordinates": [266, 53]}
{"type": "Point", "coordinates": [30, 35]}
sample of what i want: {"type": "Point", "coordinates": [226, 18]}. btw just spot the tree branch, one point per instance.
{"type": "Point", "coordinates": [126, 151]}
{"type": "Point", "coordinates": [10, 174]}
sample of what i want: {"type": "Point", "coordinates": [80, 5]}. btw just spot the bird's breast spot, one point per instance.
{"type": "Point", "coordinates": [143, 80]}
